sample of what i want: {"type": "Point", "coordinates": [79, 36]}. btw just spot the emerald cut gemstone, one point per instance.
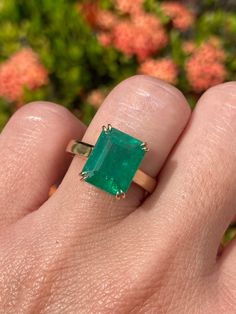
{"type": "Point", "coordinates": [114, 161]}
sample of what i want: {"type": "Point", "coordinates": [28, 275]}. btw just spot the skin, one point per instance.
{"type": "Point", "coordinates": [81, 251]}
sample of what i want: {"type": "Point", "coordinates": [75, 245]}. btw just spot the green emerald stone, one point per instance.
{"type": "Point", "coordinates": [114, 161]}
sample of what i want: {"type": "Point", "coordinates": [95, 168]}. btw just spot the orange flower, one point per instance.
{"type": "Point", "coordinates": [129, 6]}
{"type": "Point", "coordinates": [96, 17]}
{"type": "Point", "coordinates": [22, 70]}
{"type": "Point", "coordinates": [164, 69]}
{"type": "Point", "coordinates": [205, 67]}
{"type": "Point", "coordinates": [105, 19]}
{"type": "Point", "coordinates": [181, 17]}
{"type": "Point", "coordinates": [89, 10]}
{"type": "Point", "coordinates": [139, 34]}
{"type": "Point", "coordinates": [96, 98]}
{"type": "Point", "coordinates": [142, 36]}
{"type": "Point", "coordinates": [189, 47]}
{"type": "Point", "coordinates": [104, 38]}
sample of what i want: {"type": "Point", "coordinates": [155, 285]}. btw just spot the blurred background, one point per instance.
{"type": "Point", "coordinates": [74, 52]}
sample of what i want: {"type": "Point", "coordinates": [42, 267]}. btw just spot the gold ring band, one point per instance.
{"type": "Point", "coordinates": [142, 179]}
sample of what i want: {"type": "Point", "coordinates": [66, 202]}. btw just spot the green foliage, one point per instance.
{"type": "Point", "coordinates": [229, 235]}
{"type": "Point", "coordinates": [67, 47]}
{"type": "Point", "coordinates": [4, 112]}
{"type": "Point", "coordinates": [154, 7]}
{"type": "Point", "coordinates": [77, 63]}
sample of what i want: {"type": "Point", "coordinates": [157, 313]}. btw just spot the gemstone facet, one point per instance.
{"type": "Point", "coordinates": [114, 161]}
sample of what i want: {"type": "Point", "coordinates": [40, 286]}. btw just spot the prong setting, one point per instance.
{"type": "Point", "coordinates": [144, 147]}
{"type": "Point", "coordinates": [107, 128]}
{"type": "Point", "coordinates": [120, 195]}
{"type": "Point", "coordinates": [115, 152]}
{"type": "Point", "coordinates": [83, 175]}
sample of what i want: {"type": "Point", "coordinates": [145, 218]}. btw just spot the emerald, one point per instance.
{"type": "Point", "coordinates": [113, 161]}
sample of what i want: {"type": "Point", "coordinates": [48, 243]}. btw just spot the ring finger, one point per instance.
{"type": "Point", "coordinates": [145, 108]}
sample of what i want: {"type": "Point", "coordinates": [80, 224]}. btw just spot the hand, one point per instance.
{"type": "Point", "coordinates": [82, 251]}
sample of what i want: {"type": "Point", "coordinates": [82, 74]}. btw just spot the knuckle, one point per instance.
{"type": "Point", "coordinates": [219, 104]}
{"type": "Point", "coordinates": [151, 90]}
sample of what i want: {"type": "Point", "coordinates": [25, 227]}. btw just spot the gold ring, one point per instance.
{"type": "Point", "coordinates": [113, 162]}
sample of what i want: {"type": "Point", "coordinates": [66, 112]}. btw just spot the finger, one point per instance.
{"type": "Point", "coordinates": [145, 108]}
{"type": "Point", "coordinates": [197, 196]}
{"type": "Point", "coordinates": [32, 156]}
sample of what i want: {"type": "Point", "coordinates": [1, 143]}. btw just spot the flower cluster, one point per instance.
{"type": "Point", "coordinates": [22, 70]}
{"type": "Point", "coordinates": [132, 7]}
{"type": "Point", "coordinates": [180, 16]}
{"type": "Point", "coordinates": [106, 41]}
{"type": "Point", "coordinates": [142, 36]}
{"type": "Point", "coordinates": [164, 69]}
{"type": "Point", "coordinates": [105, 20]}
{"type": "Point", "coordinates": [134, 32]}
{"type": "Point", "coordinates": [205, 67]}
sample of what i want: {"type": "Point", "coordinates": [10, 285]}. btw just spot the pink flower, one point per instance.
{"type": "Point", "coordinates": [205, 67]}
{"type": "Point", "coordinates": [89, 10]}
{"type": "Point", "coordinates": [96, 17]}
{"type": "Point", "coordinates": [181, 17]}
{"type": "Point", "coordinates": [104, 38]}
{"type": "Point", "coordinates": [164, 69]}
{"type": "Point", "coordinates": [22, 70]}
{"type": "Point", "coordinates": [142, 36]}
{"type": "Point", "coordinates": [139, 34]}
{"type": "Point", "coordinates": [129, 6]}
{"type": "Point", "coordinates": [105, 19]}
{"type": "Point", "coordinates": [96, 98]}
{"type": "Point", "coordinates": [123, 35]}
{"type": "Point", "coordinates": [189, 47]}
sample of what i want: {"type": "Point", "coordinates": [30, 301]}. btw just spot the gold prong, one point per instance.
{"type": "Point", "coordinates": [120, 195]}
{"type": "Point", "coordinates": [107, 128]}
{"type": "Point", "coordinates": [123, 195]}
{"type": "Point", "coordinates": [84, 175]}
{"type": "Point", "coordinates": [144, 146]}
{"type": "Point", "coordinates": [104, 128]}
{"type": "Point", "coordinates": [82, 178]}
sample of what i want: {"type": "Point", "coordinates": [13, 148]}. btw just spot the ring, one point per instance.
{"type": "Point", "coordinates": [113, 162]}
